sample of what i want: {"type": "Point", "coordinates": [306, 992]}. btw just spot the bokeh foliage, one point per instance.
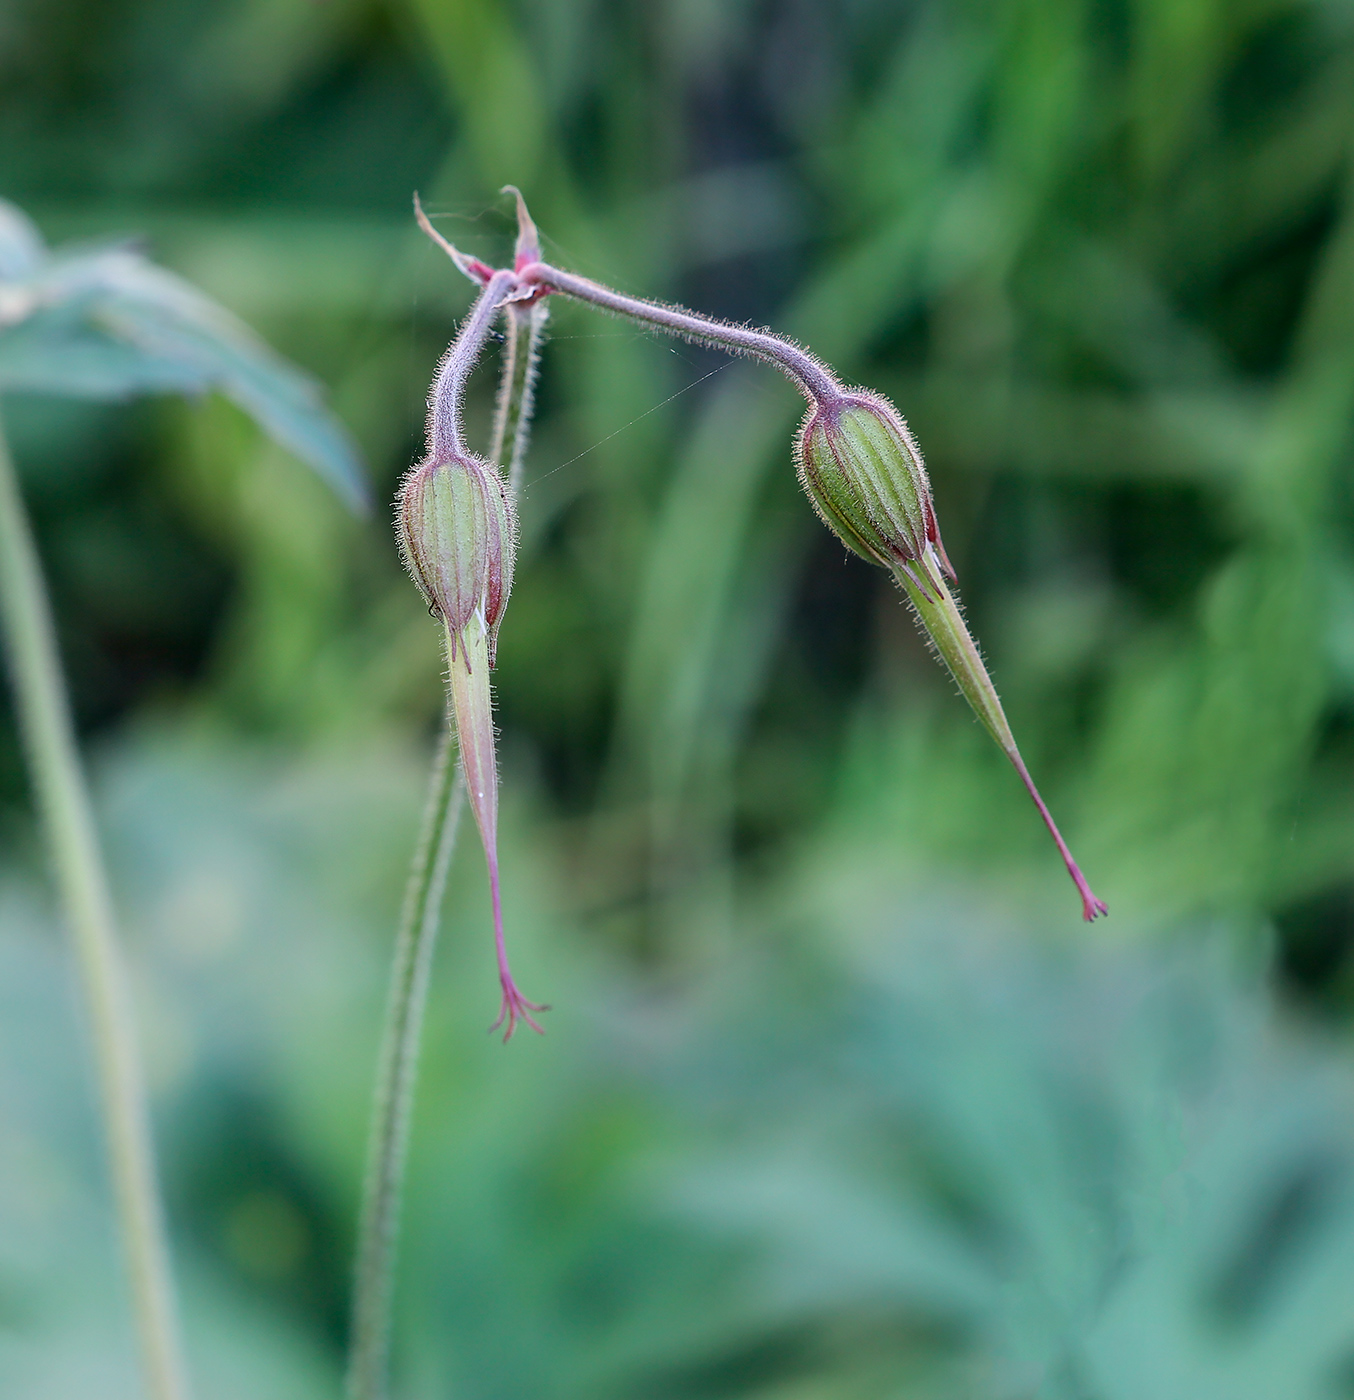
{"type": "Point", "coordinates": [1102, 256]}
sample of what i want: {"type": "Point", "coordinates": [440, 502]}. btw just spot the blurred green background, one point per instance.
{"type": "Point", "coordinates": [839, 1097]}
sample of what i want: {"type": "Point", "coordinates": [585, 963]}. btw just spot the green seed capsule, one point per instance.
{"type": "Point", "coordinates": [457, 530]}
{"type": "Point", "coordinates": [863, 472]}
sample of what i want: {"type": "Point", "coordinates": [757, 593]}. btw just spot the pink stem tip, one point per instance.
{"type": "Point", "coordinates": [514, 1006]}
{"type": "Point", "coordinates": [1091, 905]}
{"type": "Point", "coordinates": [470, 267]}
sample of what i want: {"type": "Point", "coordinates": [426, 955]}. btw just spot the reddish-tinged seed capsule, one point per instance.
{"type": "Point", "coordinates": [864, 474]}
{"type": "Point", "coordinates": [457, 530]}
{"type": "Point", "coordinates": [458, 534]}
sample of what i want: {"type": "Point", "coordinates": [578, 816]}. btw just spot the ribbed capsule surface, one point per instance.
{"type": "Point", "coordinates": [864, 474]}
{"type": "Point", "coordinates": [457, 530]}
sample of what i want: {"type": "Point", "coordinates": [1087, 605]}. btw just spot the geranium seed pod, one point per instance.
{"type": "Point", "coordinates": [457, 529]}
{"type": "Point", "coordinates": [864, 474]}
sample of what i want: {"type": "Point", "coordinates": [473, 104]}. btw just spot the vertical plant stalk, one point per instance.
{"type": "Point", "coordinates": [378, 1229]}
{"type": "Point", "coordinates": [397, 1075]}
{"type": "Point", "coordinates": [63, 801]}
{"type": "Point", "coordinates": [517, 389]}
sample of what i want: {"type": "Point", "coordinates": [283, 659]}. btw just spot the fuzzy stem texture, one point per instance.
{"type": "Point", "coordinates": [810, 376]}
{"type": "Point", "coordinates": [369, 1356]}
{"type": "Point", "coordinates": [63, 801]}
{"type": "Point", "coordinates": [448, 392]}
{"type": "Point", "coordinates": [517, 389]}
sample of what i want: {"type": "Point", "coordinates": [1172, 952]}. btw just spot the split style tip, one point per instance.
{"type": "Point", "coordinates": [514, 1006]}
{"type": "Point", "coordinates": [478, 272]}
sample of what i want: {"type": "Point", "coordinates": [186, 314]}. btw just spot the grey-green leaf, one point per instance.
{"type": "Point", "coordinates": [107, 323]}
{"type": "Point", "coordinates": [169, 319]}
{"type": "Point", "coordinates": [21, 246]}
{"type": "Point", "coordinates": [54, 352]}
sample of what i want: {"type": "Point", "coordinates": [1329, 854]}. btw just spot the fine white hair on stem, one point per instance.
{"type": "Point", "coordinates": [517, 388]}
{"type": "Point", "coordinates": [444, 399]}
{"type": "Point", "coordinates": [813, 379]}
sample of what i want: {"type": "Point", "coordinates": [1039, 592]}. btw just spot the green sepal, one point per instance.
{"type": "Point", "coordinates": [864, 476]}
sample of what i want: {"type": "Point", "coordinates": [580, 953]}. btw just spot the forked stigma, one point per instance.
{"type": "Point", "coordinates": [515, 1007]}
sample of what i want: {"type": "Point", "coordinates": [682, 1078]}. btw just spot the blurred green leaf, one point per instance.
{"type": "Point", "coordinates": [922, 1158]}
{"type": "Point", "coordinates": [107, 323]}
{"type": "Point", "coordinates": [60, 351]}
{"type": "Point", "coordinates": [21, 246]}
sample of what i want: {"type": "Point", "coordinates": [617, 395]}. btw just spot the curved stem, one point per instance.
{"type": "Point", "coordinates": [397, 1075]}
{"type": "Point", "coordinates": [63, 800]}
{"type": "Point", "coordinates": [448, 391]}
{"type": "Point", "coordinates": [811, 377]}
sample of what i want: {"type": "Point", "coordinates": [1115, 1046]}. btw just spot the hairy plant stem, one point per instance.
{"type": "Point", "coordinates": [448, 392]}
{"type": "Point", "coordinates": [63, 801]}
{"type": "Point", "coordinates": [810, 376]}
{"type": "Point", "coordinates": [935, 606]}
{"type": "Point", "coordinates": [517, 390]}
{"type": "Point", "coordinates": [397, 1072]}
{"type": "Point", "coordinates": [397, 1075]}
